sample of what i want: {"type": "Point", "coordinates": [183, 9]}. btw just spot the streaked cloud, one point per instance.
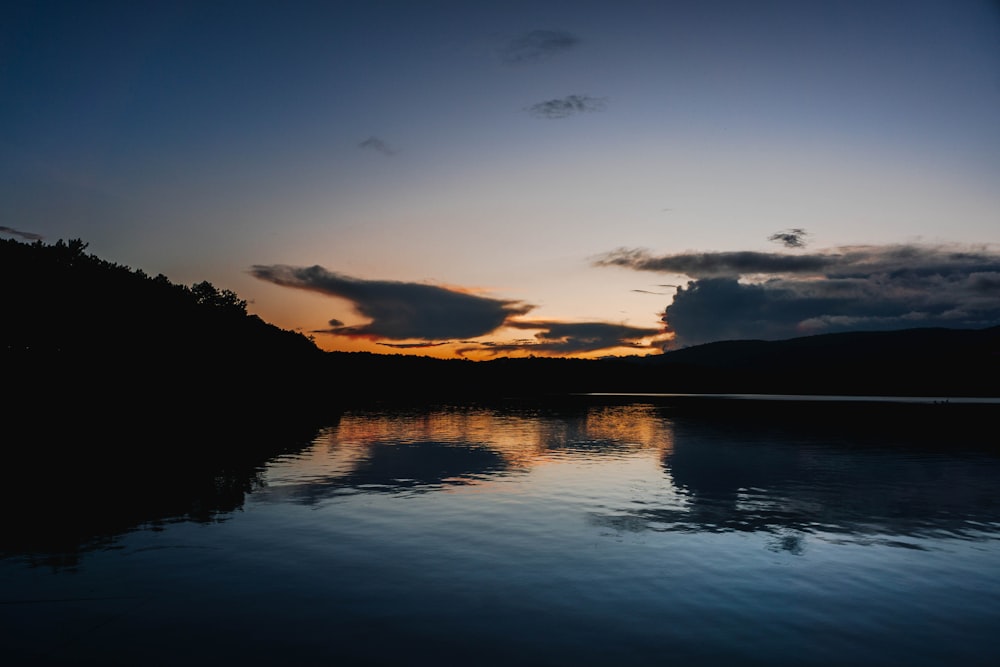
{"type": "Point", "coordinates": [28, 236]}
{"type": "Point", "coordinates": [646, 291]}
{"type": "Point", "coordinates": [564, 107]}
{"type": "Point", "coordinates": [744, 295]}
{"type": "Point", "coordinates": [714, 264]}
{"type": "Point", "coordinates": [377, 145]}
{"type": "Point", "coordinates": [408, 346]}
{"type": "Point", "coordinates": [399, 311]}
{"type": "Point", "coordinates": [537, 46]}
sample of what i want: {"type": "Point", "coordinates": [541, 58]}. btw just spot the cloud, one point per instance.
{"type": "Point", "coordinates": [399, 311]}
{"type": "Point", "coordinates": [755, 295]}
{"type": "Point", "coordinates": [377, 145]}
{"type": "Point", "coordinates": [646, 291]}
{"type": "Point", "coordinates": [406, 346]}
{"type": "Point", "coordinates": [537, 45]}
{"type": "Point", "coordinates": [28, 236]}
{"type": "Point", "coordinates": [714, 264]}
{"type": "Point", "coordinates": [790, 238]}
{"type": "Point", "coordinates": [564, 107]}
{"type": "Point", "coordinates": [560, 338]}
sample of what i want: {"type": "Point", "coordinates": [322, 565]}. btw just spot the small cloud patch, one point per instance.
{"type": "Point", "coordinates": [377, 145]}
{"type": "Point", "coordinates": [564, 107]}
{"type": "Point", "coordinates": [790, 238]}
{"type": "Point", "coordinates": [537, 46]}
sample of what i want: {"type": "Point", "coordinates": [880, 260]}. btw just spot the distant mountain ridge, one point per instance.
{"type": "Point", "coordinates": [927, 361]}
{"type": "Point", "coordinates": [903, 344]}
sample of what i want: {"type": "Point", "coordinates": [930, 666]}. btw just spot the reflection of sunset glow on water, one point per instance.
{"type": "Point", "coordinates": [523, 440]}
{"type": "Point", "coordinates": [612, 449]}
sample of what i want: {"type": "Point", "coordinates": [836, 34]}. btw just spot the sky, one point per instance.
{"type": "Point", "coordinates": [513, 178]}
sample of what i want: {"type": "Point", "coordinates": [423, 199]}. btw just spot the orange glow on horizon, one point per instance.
{"type": "Point", "coordinates": [505, 342]}
{"type": "Point", "coordinates": [477, 350]}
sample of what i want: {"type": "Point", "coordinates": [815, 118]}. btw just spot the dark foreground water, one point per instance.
{"type": "Point", "coordinates": [602, 534]}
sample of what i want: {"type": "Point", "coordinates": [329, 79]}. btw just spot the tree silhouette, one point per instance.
{"type": "Point", "coordinates": [206, 294]}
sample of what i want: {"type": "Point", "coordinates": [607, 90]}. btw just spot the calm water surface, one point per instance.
{"type": "Point", "coordinates": [606, 534]}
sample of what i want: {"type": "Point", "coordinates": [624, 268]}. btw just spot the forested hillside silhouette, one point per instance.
{"type": "Point", "coordinates": [86, 340]}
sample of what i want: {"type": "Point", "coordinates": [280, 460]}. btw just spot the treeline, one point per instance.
{"type": "Point", "coordinates": [88, 341]}
{"type": "Point", "coordinates": [914, 362]}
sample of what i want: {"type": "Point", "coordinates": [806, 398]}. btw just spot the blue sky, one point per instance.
{"type": "Point", "coordinates": [498, 179]}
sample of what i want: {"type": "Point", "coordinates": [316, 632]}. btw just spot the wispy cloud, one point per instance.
{"type": "Point", "coordinates": [537, 45]}
{"type": "Point", "coordinates": [377, 145]}
{"type": "Point", "coordinates": [646, 291]}
{"type": "Point", "coordinates": [564, 107]}
{"type": "Point", "coordinates": [28, 236]}
{"type": "Point", "coordinates": [735, 295]}
{"type": "Point", "coordinates": [399, 311]}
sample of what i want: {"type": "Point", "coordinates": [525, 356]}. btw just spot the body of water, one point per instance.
{"type": "Point", "coordinates": [618, 532]}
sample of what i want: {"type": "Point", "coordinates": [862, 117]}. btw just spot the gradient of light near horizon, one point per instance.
{"type": "Point", "coordinates": [554, 158]}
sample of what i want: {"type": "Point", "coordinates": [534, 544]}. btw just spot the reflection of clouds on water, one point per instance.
{"type": "Point", "coordinates": [754, 477]}
{"type": "Point", "coordinates": [426, 450]}
{"type": "Point", "coordinates": [397, 467]}
{"type": "Point", "coordinates": [520, 435]}
{"type": "Point", "coordinates": [793, 543]}
{"type": "Point", "coordinates": [793, 481]}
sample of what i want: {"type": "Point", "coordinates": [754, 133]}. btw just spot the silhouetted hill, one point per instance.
{"type": "Point", "coordinates": [88, 342]}
{"type": "Point", "coordinates": [914, 362]}
{"type": "Point", "coordinates": [930, 362]}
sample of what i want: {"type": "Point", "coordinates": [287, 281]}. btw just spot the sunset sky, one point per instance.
{"type": "Point", "coordinates": [506, 178]}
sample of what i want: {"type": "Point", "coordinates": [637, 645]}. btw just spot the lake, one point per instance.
{"type": "Point", "coordinates": [611, 530]}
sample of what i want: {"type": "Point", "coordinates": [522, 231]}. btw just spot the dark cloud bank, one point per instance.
{"type": "Point", "coordinates": [760, 295]}
{"type": "Point", "coordinates": [399, 311]}
{"type": "Point", "coordinates": [574, 337]}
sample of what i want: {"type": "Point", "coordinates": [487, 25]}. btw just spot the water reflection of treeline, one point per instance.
{"type": "Point", "coordinates": [62, 499]}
